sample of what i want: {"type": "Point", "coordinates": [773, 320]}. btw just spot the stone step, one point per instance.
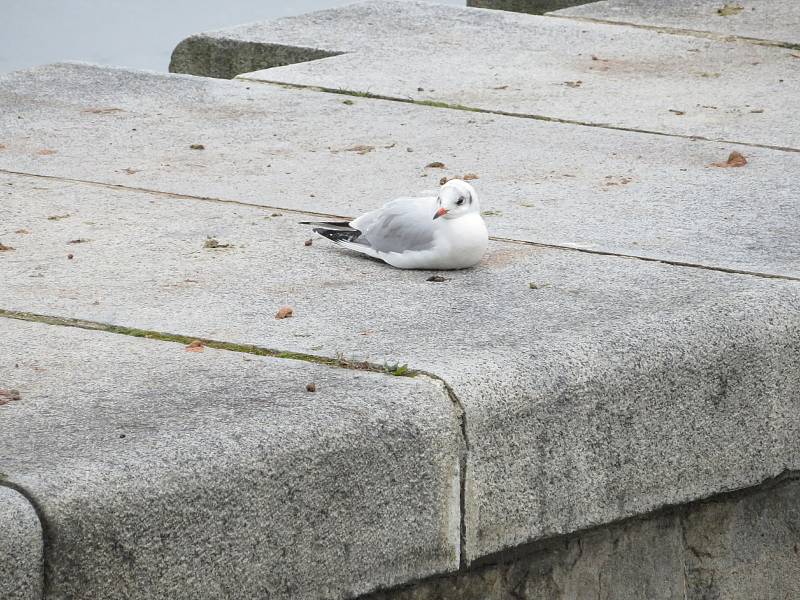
{"type": "Point", "coordinates": [587, 72]}
{"type": "Point", "coordinates": [594, 388]}
{"type": "Point", "coordinates": [590, 188]}
{"type": "Point", "coordinates": [742, 545]}
{"type": "Point", "coordinates": [776, 21]}
{"type": "Point", "coordinates": [162, 473]}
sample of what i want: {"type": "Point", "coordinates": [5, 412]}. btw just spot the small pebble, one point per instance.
{"type": "Point", "coordinates": [311, 387]}
{"type": "Point", "coordinates": [69, 256]}
{"type": "Point", "coordinates": [308, 242]}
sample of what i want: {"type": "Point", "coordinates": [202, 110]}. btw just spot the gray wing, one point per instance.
{"type": "Point", "coordinates": [402, 225]}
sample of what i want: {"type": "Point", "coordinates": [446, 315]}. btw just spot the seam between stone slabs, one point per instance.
{"type": "Point", "coordinates": [505, 113]}
{"type": "Point", "coordinates": [339, 362]}
{"type": "Point", "coordinates": [119, 186]}
{"type": "Point", "coordinates": [462, 466]}
{"type": "Point", "coordinates": [699, 33]}
{"type": "Point", "coordinates": [666, 261]}
{"type": "Point", "coordinates": [42, 525]}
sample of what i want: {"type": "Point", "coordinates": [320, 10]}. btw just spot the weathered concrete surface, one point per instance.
{"type": "Point", "coordinates": [591, 188]}
{"type": "Point", "coordinates": [529, 64]}
{"type": "Point", "coordinates": [734, 547]}
{"type": "Point", "coordinates": [774, 20]}
{"type": "Point", "coordinates": [615, 387]}
{"type": "Point", "coordinates": [21, 573]}
{"type": "Point", "coordinates": [164, 474]}
{"type": "Point", "coordinates": [533, 7]}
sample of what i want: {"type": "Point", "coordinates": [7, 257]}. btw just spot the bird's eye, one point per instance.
{"type": "Point", "coordinates": [460, 201]}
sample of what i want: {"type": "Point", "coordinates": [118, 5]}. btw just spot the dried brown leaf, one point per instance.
{"type": "Point", "coordinates": [435, 165]}
{"type": "Point", "coordinates": [4, 248]}
{"type": "Point", "coordinates": [195, 346]}
{"type": "Point", "coordinates": [45, 152]}
{"type": "Point", "coordinates": [7, 396]}
{"type": "Point", "coordinates": [197, 147]}
{"type": "Point", "coordinates": [735, 159]}
{"type": "Point", "coordinates": [284, 312]}
{"type": "Point", "coordinates": [470, 176]}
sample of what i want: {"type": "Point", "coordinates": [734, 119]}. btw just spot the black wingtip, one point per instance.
{"type": "Point", "coordinates": [338, 235]}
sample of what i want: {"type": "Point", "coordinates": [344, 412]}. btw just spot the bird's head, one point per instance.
{"type": "Point", "coordinates": [456, 198]}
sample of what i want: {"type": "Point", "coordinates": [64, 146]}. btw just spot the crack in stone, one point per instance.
{"type": "Point", "coordinates": [176, 195]}
{"type": "Point", "coordinates": [666, 261]}
{"type": "Point", "coordinates": [699, 33]}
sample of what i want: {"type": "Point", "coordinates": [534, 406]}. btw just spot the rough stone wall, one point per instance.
{"type": "Point", "coordinates": [225, 59]}
{"type": "Point", "coordinates": [738, 546]}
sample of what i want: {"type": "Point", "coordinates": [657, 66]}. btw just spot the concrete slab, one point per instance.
{"type": "Point", "coordinates": [583, 187]}
{"type": "Point", "coordinates": [538, 65]}
{"type": "Point", "coordinates": [163, 473]}
{"type": "Point", "coordinates": [595, 388]}
{"type": "Point", "coordinates": [777, 21]}
{"type": "Point", "coordinates": [21, 546]}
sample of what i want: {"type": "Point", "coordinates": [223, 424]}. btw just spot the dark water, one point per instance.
{"type": "Point", "coordinates": [132, 33]}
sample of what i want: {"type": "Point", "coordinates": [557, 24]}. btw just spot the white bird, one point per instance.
{"type": "Point", "coordinates": [445, 231]}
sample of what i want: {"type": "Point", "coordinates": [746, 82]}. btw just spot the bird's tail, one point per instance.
{"type": "Point", "coordinates": [337, 231]}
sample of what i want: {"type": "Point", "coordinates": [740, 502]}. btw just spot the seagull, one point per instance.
{"type": "Point", "coordinates": [445, 231]}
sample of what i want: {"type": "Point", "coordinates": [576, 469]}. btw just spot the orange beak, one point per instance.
{"type": "Point", "coordinates": [440, 212]}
